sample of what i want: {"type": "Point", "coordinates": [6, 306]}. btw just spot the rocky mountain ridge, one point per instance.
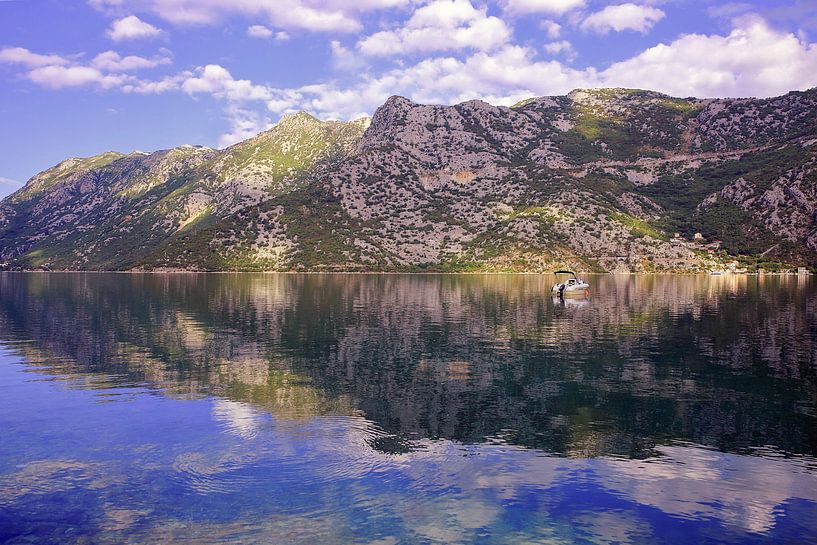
{"type": "Point", "coordinates": [603, 179]}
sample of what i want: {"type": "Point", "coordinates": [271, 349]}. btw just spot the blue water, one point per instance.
{"type": "Point", "coordinates": [386, 409]}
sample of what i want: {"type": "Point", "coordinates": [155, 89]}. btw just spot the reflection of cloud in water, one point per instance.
{"type": "Point", "coordinates": [121, 518]}
{"type": "Point", "coordinates": [455, 487]}
{"type": "Point", "coordinates": [694, 482]}
{"type": "Point", "coordinates": [442, 492]}
{"type": "Point", "coordinates": [50, 476]}
{"type": "Point", "coordinates": [450, 520]}
{"type": "Point", "coordinates": [741, 491]}
{"type": "Point", "coordinates": [290, 529]}
{"type": "Point", "coordinates": [241, 419]}
{"type": "Point", "coordinates": [612, 528]}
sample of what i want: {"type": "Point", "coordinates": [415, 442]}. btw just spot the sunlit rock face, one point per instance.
{"type": "Point", "coordinates": [598, 180]}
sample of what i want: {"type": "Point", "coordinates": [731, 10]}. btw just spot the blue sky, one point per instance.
{"type": "Point", "coordinates": [82, 77]}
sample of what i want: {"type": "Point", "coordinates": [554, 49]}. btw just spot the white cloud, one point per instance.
{"type": "Point", "coordinates": [112, 61]}
{"type": "Point", "coordinates": [59, 77]}
{"type": "Point", "coordinates": [729, 10]}
{"type": "Point", "coordinates": [501, 77]}
{"type": "Point", "coordinates": [105, 71]}
{"type": "Point", "coordinates": [623, 17]}
{"type": "Point", "coordinates": [131, 28]}
{"type": "Point", "coordinates": [217, 81]}
{"type": "Point", "coordinates": [562, 46]}
{"type": "Point", "coordinates": [9, 181]}
{"type": "Point", "coordinates": [752, 60]}
{"type": "Point", "coordinates": [259, 31]}
{"type": "Point", "coordinates": [314, 15]}
{"type": "Point", "coordinates": [8, 186]}
{"type": "Point", "coordinates": [164, 85]}
{"type": "Point", "coordinates": [244, 124]}
{"type": "Point", "coordinates": [554, 7]}
{"type": "Point", "coordinates": [438, 26]}
{"type": "Point", "coordinates": [20, 55]}
{"type": "Point", "coordinates": [284, 100]}
{"type": "Point", "coordinates": [552, 29]}
{"type": "Point", "coordinates": [343, 58]}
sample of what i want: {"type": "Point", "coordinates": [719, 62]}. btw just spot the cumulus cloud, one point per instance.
{"type": "Point", "coordinates": [438, 26]}
{"type": "Point", "coordinates": [131, 28]}
{"type": "Point", "coordinates": [555, 48]}
{"type": "Point", "coordinates": [114, 62]}
{"type": "Point", "coordinates": [552, 29]}
{"type": "Point", "coordinates": [504, 76]}
{"type": "Point", "coordinates": [244, 123]}
{"type": "Point", "coordinates": [59, 77]}
{"type": "Point", "coordinates": [259, 31]}
{"type": "Point", "coordinates": [729, 10]}
{"type": "Point", "coordinates": [156, 87]}
{"type": "Point", "coordinates": [313, 15]}
{"type": "Point", "coordinates": [343, 58]}
{"type": "Point", "coordinates": [107, 70]}
{"type": "Point", "coordinates": [217, 81]}
{"type": "Point", "coordinates": [753, 59]}
{"type": "Point", "coordinates": [20, 55]}
{"type": "Point", "coordinates": [623, 17]}
{"type": "Point", "coordinates": [553, 7]}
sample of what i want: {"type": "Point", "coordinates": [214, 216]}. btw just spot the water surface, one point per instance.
{"type": "Point", "coordinates": [385, 409]}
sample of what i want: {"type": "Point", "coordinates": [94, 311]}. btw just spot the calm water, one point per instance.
{"type": "Point", "coordinates": [391, 409]}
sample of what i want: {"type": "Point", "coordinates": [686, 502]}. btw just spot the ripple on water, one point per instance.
{"type": "Point", "coordinates": [214, 472]}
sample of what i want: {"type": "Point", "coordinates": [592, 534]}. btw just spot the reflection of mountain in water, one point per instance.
{"type": "Point", "coordinates": [727, 362]}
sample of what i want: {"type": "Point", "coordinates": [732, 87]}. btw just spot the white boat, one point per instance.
{"type": "Point", "coordinates": [571, 286]}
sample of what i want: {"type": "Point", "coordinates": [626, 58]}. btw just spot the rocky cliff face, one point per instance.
{"type": "Point", "coordinates": [607, 179]}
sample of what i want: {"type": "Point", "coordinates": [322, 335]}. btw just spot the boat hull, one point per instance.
{"type": "Point", "coordinates": [580, 288]}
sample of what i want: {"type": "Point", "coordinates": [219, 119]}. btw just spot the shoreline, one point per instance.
{"type": "Point", "coordinates": [411, 273]}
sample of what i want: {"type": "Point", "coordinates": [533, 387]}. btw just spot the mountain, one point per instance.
{"type": "Point", "coordinates": [603, 179]}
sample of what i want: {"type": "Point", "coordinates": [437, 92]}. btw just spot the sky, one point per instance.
{"type": "Point", "coordinates": [80, 77]}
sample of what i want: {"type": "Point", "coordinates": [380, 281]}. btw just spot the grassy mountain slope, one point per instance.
{"type": "Point", "coordinates": [111, 211]}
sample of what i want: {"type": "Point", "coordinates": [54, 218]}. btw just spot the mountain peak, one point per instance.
{"type": "Point", "coordinates": [395, 108]}
{"type": "Point", "coordinates": [398, 100]}
{"type": "Point", "coordinates": [298, 118]}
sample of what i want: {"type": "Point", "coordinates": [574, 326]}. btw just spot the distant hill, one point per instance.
{"type": "Point", "coordinates": [603, 179]}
